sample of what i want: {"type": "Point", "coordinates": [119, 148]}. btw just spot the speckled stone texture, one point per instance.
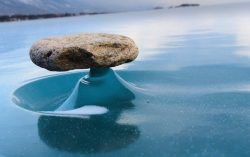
{"type": "Point", "coordinates": [83, 51]}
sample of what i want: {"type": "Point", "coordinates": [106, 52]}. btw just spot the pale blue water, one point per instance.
{"type": "Point", "coordinates": [194, 63]}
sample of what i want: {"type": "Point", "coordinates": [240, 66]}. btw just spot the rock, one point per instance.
{"type": "Point", "coordinates": [187, 5]}
{"type": "Point", "coordinates": [83, 51]}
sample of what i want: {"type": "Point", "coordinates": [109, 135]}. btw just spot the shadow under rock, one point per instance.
{"type": "Point", "coordinates": [95, 134]}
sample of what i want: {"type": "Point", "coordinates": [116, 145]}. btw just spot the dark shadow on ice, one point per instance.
{"type": "Point", "coordinates": [95, 134]}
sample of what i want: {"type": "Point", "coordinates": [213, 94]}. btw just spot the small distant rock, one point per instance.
{"type": "Point", "coordinates": [185, 5]}
{"type": "Point", "coordinates": [83, 51]}
{"type": "Point", "coordinates": [158, 7]}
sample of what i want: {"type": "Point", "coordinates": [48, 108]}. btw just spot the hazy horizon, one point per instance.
{"type": "Point", "coordinates": [60, 6]}
{"type": "Point", "coordinates": [152, 2]}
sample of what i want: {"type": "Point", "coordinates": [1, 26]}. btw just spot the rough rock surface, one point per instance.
{"type": "Point", "coordinates": [83, 51]}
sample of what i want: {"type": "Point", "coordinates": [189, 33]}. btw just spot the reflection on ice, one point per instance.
{"type": "Point", "coordinates": [94, 134]}
{"type": "Point", "coordinates": [85, 136]}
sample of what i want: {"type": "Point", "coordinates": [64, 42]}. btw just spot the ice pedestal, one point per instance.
{"type": "Point", "coordinates": [102, 86]}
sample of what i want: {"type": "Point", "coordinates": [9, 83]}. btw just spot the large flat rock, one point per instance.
{"type": "Point", "coordinates": [83, 51]}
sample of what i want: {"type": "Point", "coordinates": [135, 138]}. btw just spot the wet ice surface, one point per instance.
{"type": "Point", "coordinates": [194, 63]}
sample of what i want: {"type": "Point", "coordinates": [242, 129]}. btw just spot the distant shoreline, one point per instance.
{"type": "Point", "coordinates": [23, 17]}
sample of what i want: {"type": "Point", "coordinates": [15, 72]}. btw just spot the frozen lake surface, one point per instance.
{"type": "Point", "coordinates": [194, 62]}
